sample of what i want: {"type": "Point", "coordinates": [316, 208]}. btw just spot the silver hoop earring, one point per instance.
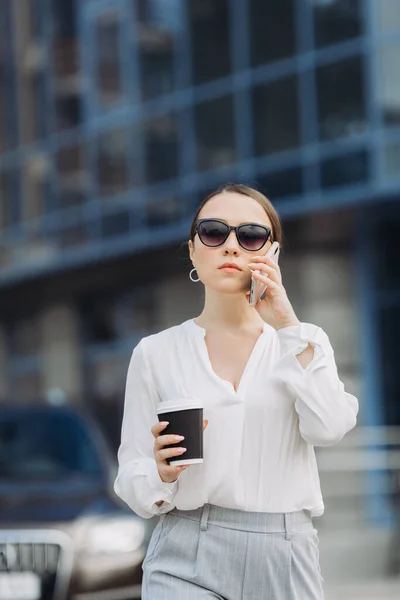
{"type": "Point", "coordinates": [191, 276]}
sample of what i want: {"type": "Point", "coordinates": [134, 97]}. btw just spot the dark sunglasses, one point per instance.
{"type": "Point", "coordinates": [214, 232]}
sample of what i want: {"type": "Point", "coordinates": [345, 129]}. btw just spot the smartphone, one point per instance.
{"type": "Point", "coordinates": [258, 288]}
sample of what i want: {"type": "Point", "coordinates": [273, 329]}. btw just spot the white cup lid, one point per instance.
{"type": "Point", "coordinates": [176, 405]}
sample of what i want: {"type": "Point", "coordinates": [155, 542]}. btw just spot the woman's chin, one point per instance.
{"type": "Point", "coordinates": [229, 288]}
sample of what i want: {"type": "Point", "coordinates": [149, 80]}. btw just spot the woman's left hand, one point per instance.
{"type": "Point", "coordinates": [275, 308]}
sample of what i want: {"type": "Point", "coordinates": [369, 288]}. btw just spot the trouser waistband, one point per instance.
{"type": "Point", "coordinates": [257, 522]}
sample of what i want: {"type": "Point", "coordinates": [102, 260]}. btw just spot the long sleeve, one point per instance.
{"type": "Point", "coordinates": [325, 410]}
{"type": "Point", "coordinates": [138, 482]}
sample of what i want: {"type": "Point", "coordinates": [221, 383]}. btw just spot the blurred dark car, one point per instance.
{"type": "Point", "coordinates": [64, 535]}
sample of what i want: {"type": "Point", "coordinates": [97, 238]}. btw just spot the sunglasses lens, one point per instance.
{"type": "Point", "coordinates": [212, 233]}
{"type": "Point", "coordinates": [252, 237]}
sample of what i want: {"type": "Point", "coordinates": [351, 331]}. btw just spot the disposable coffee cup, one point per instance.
{"type": "Point", "coordinates": [185, 418]}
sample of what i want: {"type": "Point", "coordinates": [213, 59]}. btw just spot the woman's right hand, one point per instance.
{"type": "Point", "coordinates": [168, 473]}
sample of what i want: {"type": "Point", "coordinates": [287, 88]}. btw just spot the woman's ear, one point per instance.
{"type": "Point", "coordinates": [191, 250]}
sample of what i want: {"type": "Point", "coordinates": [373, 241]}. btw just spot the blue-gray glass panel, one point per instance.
{"type": "Point", "coordinates": [72, 175]}
{"type": "Point", "coordinates": [388, 254]}
{"type": "Point", "coordinates": [341, 99]}
{"type": "Point", "coordinates": [68, 111]}
{"type": "Point", "coordinates": [391, 161]}
{"type": "Point", "coordinates": [388, 13]}
{"type": "Point", "coordinates": [275, 112]}
{"type": "Point", "coordinates": [118, 315]}
{"type": "Point", "coordinates": [40, 98]}
{"type": "Point", "coordinates": [389, 333]}
{"type": "Point", "coordinates": [107, 57]}
{"type": "Point", "coordinates": [281, 184]}
{"type": "Point", "coordinates": [337, 21]}
{"type": "Point", "coordinates": [345, 170]}
{"type": "Point", "coordinates": [161, 145]}
{"type": "Point", "coordinates": [272, 30]}
{"type": "Point", "coordinates": [8, 80]}
{"type": "Point", "coordinates": [209, 25]}
{"type": "Point", "coordinates": [64, 18]}
{"type": "Point", "coordinates": [112, 160]}
{"type": "Point", "coordinates": [215, 133]}
{"type": "Point", "coordinates": [158, 29]}
{"type": "Point", "coordinates": [115, 224]}
{"type": "Point", "coordinates": [10, 200]}
{"type": "Point", "coordinates": [73, 237]}
{"type": "Point", "coordinates": [163, 211]}
{"type": "Point", "coordinates": [389, 84]}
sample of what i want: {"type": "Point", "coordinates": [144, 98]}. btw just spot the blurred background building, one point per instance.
{"type": "Point", "coordinates": [118, 116]}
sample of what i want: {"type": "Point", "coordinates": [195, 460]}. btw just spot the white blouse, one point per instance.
{"type": "Point", "coordinates": [258, 446]}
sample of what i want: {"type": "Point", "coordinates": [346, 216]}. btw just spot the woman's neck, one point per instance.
{"type": "Point", "coordinates": [228, 312]}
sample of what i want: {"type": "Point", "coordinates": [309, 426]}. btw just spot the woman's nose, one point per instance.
{"type": "Point", "coordinates": [231, 245]}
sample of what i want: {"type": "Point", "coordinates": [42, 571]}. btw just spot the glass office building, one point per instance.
{"type": "Point", "coordinates": [116, 117]}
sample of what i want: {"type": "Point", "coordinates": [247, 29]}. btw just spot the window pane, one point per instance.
{"type": "Point", "coordinates": [272, 30]}
{"type": "Point", "coordinates": [389, 340]}
{"type": "Point", "coordinates": [161, 148]}
{"type": "Point", "coordinates": [10, 201]}
{"type": "Point", "coordinates": [39, 123]}
{"type": "Point", "coordinates": [388, 250]}
{"type": "Point", "coordinates": [282, 183]}
{"type": "Point", "coordinates": [108, 68]}
{"type": "Point", "coordinates": [35, 181]}
{"type": "Point", "coordinates": [68, 111]}
{"type": "Point", "coordinates": [340, 88]}
{"type": "Point", "coordinates": [163, 211]}
{"type": "Point", "coordinates": [345, 170]}
{"type": "Point", "coordinates": [275, 116]}
{"type": "Point", "coordinates": [74, 236]}
{"type": "Point", "coordinates": [336, 21]}
{"type": "Point", "coordinates": [389, 15]}
{"type": "Point", "coordinates": [65, 59]}
{"type": "Point", "coordinates": [64, 19]}
{"type": "Point", "coordinates": [115, 224]}
{"type": "Point", "coordinates": [390, 83]}
{"type": "Point", "coordinates": [73, 177]}
{"type": "Point", "coordinates": [210, 27]}
{"type": "Point", "coordinates": [158, 25]}
{"type": "Point", "coordinates": [8, 80]}
{"type": "Point", "coordinates": [112, 157]}
{"type": "Point", "coordinates": [120, 316]}
{"type": "Point", "coordinates": [392, 161]}
{"type": "Point", "coordinates": [215, 133]}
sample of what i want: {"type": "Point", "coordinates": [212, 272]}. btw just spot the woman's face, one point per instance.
{"type": "Point", "coordinates": [234, 209]}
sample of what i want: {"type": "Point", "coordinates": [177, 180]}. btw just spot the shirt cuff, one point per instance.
{"type": "Point", "coordinates": [295, 339]}
{"type": "Point", "coordinates": [161, 490]}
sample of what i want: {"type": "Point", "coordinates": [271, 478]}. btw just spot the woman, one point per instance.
{"type": "Point", "coordinates": [238, 526]}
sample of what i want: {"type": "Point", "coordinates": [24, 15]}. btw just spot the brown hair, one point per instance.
{"type": "Point", "coordinates": [245, 190]}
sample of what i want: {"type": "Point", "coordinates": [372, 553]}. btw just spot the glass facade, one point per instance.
{"type": "Point", "coordinates": [116, 115]}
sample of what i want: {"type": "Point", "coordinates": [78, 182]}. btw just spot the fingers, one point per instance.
{"type": "Point", "coordinates": [168, 473]}
{"type": "Point", "coordinates": [158, 428]}
{"type": "Point", "coordinates": [169, 453]}
{"type": "Point", "coordinates": [266, 269]}
{"type": "Point", "coordinates": [267, 260]}
{"type": "Point", "coordinates": [271, 285]}
{"type": "Point", "coordinates": [166, 440]}
{"type": "Point", "coordinates": [259, 261]}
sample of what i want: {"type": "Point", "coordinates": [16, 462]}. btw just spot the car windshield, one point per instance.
{"type": "Point", "coordinates": [45, 445]}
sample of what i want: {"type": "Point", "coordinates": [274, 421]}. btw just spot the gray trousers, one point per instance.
{"type": "Point", "coordinates": [227, 554]}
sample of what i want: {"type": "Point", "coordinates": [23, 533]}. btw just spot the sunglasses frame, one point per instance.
{"type": "Point", "coordinates": [235, 229]}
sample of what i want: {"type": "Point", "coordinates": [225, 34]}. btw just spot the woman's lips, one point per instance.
{"type": "Point", "coordinates": [230, 268]}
